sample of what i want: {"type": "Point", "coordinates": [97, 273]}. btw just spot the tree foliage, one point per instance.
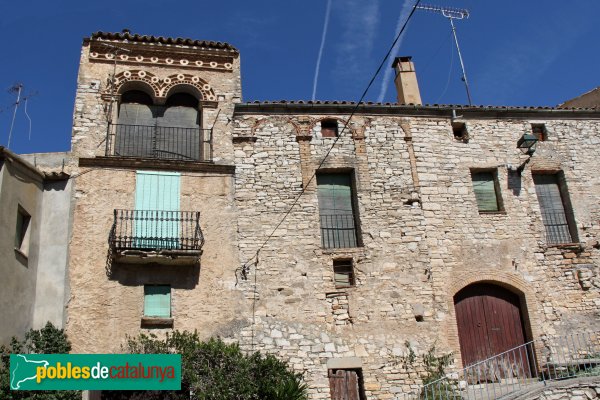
{"type": "Point", "coordinates": [215, 370]}
{"type": "Point", "coordinates": [48, 340]}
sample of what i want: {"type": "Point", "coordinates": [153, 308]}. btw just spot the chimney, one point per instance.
{"type": "Point", "coordinates": [406, 81]}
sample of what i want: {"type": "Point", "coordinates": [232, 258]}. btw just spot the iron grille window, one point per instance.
{"type": "Point", "coordinates": [485, 186]}
{"type": "Point", "coordinates": [558, 219]}
{"type": "Point", "coordinates": [336, 209]}
{"type": "Point", "coordinates": [343, 273]}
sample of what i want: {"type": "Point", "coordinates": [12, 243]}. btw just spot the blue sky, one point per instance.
{"type": "Point", "coordinates": [531, 52]}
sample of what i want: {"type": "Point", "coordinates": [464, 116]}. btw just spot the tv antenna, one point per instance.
{"type": "Point", "coordinates": [452, 14]}
{"type": "Point", "coordinates": [18, 89]}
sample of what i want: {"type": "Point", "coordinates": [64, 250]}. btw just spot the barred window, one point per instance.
{"type": "Point", "coordinates": [555, 206]}
{"type": "Point", "coordinates": [336, 209]}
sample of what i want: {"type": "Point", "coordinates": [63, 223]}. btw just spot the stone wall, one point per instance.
{"type": "Point", "coordinates": [104, 308]}
{"type": "Point", "coordinates": [572, 389]}
{"type": "Point", "coordinates": [423, 238]}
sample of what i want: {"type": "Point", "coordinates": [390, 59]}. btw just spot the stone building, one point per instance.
{"type": "Point", "coordinates": [33, 243]}
{"type": "Point", "coordinates": [337, 236]}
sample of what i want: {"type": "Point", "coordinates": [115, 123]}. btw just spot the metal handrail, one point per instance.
{"type": "Point", "coordinates": [159, 142]}
{"type": "Point", "coordinates": [521, 368]}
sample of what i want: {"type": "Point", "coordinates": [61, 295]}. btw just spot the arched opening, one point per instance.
{"type": "Point", "coordinates": [169, 131]}
{"type": "Point", "coordinates": [179, 133]}
{"type": "Point", "coordinates": [491, 321]}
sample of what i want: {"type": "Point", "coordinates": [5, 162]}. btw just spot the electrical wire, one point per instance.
{"type": "Point", "coordinates": [245, 266]}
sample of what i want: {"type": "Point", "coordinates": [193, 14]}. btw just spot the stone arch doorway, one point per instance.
{"type": "Point", "coordinates": [490, 321]}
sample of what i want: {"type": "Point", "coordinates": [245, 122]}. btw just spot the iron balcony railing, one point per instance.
{"type": "Point", "coordinates": [338, 231]}
{"type": "Point", "coordinates": [159, 142]}
{"type": "Point", "coordinates": [523, 368]}
{"type": "Point", "coordinates": [152, 230]}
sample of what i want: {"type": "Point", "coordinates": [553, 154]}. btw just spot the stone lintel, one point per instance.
{"type": "Point", "coordinates": [344, 363]}
{"type": "Point", "coordinates": [163, 165]}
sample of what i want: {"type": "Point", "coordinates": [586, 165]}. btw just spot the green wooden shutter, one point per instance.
{"type": "Point", "coordinates": [552, 208]}
{"type": "Point", "coordinates": [485, 191]}
{"type": "Point", "coordinates": [334, 192]}
{"type": "Point", "coordinates": [157, 301]}
{"type": "Point", "coordinates": [157, 210]}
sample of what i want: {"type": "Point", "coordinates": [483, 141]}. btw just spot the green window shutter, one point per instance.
{"type": "Point", "coordinates": [552, 208]}
{"type": "Point", "coordinates": [157, 301]}
{"type": "Point", "coordinates": [485, 191]}
{"type": "Point", "coordinates": [157, 210]}
{"type": "Point", "coordinates": [334, 192]}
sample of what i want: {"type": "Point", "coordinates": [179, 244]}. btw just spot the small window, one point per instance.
{"type": "Point", "coordinates": [22, 232]}
{"type": "Point", "coordinates": [539, 131]}
{"type": "Point", "coordinates": [157, 301]}
{"type": "Point", "coordinates": [486, 188]}
{"type": "Point", "coordinates": [343, 273]}
{"type": "Point", "coordinates": [329, 128]}
{"type": "Point", "coordinates": [459, 129]}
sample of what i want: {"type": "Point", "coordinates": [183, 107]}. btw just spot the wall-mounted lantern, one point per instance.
{"type": "Point", "coordinates": [527, 143]}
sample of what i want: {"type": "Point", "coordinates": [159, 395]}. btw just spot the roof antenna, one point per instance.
{"type": "Point", "coordinates": [452, 14]}
{"type": "Point", "coordinates": [17, 88]}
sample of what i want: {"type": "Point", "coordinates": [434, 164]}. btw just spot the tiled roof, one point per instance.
{"type": "Point", "coordinates": [128, 36]}
{"type": "Point", "coordinates": [414, 106]}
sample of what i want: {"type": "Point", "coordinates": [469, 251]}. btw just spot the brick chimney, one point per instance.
{"type": "Point", "coordinates": [406, 81]}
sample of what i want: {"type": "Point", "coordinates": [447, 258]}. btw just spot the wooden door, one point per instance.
{"type": "Point", "coordinates": [489, 323]}
{"type": "Point", "coordinates": [344, 385]}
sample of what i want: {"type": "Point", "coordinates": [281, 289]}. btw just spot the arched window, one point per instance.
{"type": "Point", "coordinates": [170, 131]}
{"type": "Point", "coordinates": [179, 135]}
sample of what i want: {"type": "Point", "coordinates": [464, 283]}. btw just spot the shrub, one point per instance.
{"type": "Point", "coordinates": [214, 370]}
{"type": "Point", "coordinates": [48, 340]}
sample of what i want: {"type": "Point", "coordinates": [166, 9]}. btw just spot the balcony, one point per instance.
{"type": "Point", "coordinates": [159, 142]}
{"type": "Point", "coordinates": [150, 236]}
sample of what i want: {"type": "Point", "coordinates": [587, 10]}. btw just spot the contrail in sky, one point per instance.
{"type": "Point", "coordinates": [406, 9]}
{"type": "Point", "coordinates": [326, 24]}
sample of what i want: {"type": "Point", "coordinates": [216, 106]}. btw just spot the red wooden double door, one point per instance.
{"type": "Point", "coordinates": [490, 322]}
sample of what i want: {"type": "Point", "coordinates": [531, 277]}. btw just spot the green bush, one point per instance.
{"type": "Point", "coordinates": [214, 370]}
{"type": "Point", "coordinates": [48, 340]}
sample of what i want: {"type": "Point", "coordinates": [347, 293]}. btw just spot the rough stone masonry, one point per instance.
{"type": "Point", "coordinates": [421, 237]}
